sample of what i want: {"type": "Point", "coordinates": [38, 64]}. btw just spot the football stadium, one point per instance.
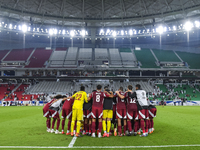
{"type": "Point", "coordinates": [99, 74]}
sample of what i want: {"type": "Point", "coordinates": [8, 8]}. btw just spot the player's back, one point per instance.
{"type": "Point", "coordinates": [68, 104]}
{"type": "Point", "coordinates": [98, 98]}
{"type": "Point", "coordinates": [79, 98]}
{"type": "Point", "coordinates": [120, 102]}
{"type": "Point", "coordinates": [131, 100]}
{"type": "Point", "coordinates": [141, 97]}
{"type": "Point", "coordinates": [56, 104]}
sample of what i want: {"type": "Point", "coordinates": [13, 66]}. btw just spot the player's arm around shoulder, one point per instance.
{"type": "Point", "coordinates": [85, 97]}
{"type": "Point", "coordinates": [121, 96]}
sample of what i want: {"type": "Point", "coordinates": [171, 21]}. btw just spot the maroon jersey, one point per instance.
{"type": "Point", "coordinates": [120, 102]}
{"type": "Point", "coordinates": [68, 104]}
{"type": "Point", "coordinates": [98, 98]}
{"type": "Point", "coordinates": [131, 100]}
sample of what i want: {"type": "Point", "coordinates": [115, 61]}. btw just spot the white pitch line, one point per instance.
{"type": "Point", "coordinates": [71, 144]}
{"type": "Point", "coordinates": [73, 141]}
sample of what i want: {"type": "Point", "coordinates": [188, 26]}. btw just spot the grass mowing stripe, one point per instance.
{"type": "Point", "coordinates": [53, 147]}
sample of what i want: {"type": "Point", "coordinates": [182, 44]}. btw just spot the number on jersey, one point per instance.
{"type": "Point", "coordinates": [79, 97]}
{"type": "Point", "coordinates": [132, 100]}
{"type": "Point", "coordinates": [97, 98]}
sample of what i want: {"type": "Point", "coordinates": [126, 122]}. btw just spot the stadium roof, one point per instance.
{"type": "Point", "coordinates": [99, 12]}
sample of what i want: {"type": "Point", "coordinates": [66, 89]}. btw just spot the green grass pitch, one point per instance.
{"type": "Point", "coordinates": [25, 126]}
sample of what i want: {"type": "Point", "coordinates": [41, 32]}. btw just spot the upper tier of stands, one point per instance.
{"type": "Point", "coordinates": [115, 57]}
{"type": "Point", "coordinates": [18, 54]}
{"type": "Point", "coordinates": [101, 54]}
{"type": "Point", "coordinates": [39, 57]}
{"type": "Point", "coordinates": [3, 54]}
{"type": "Point", "coordinates": [128, 59]}
{"type": "Point", "coordinates": [71, 57]}
{"type": "Point", "coordinates": [192, 59]}
{"type": "Point", "coordinates": [166, 55]}
{"type": "Point", "coordinates": [85, 53]}
{"type": "Point", "coordinates": [58, 55]}
{"type": "Point", "coordinates": [146, 58]}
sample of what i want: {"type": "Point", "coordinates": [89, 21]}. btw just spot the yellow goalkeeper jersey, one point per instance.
{"type": "Point", "coordinates": [79, 98]}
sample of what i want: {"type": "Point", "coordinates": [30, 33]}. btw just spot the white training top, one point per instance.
{"type": "Point", "coordinates": [141, 97]}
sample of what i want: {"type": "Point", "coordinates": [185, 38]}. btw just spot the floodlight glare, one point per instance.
{"type": "Point", "coordinates": [188, 26]}
{"type": "Point", "coordinates": [10, 26]}
{"type": "Point", "coordinates": [130, 32]}
{"type": "Point", "coordinates": [101, 31]}
{"type": "Point", "coordinates": [114, 34]}
{"type": "Point", "coordinates": [197, 24]}
{"type": "Point", "coordinates": [63, 32]}
{"type": "Point", "coordinates": [174, 28]}
{"type": "Point", "coordinates": [122, 32]}
{"type": "Point", "coordinates": [160, 30]}
{"type": "Point", "coordinates": [72, 33]}
{"type": "Point", "coordinates": [24, 28]}
{"type": "Point", "coordinates": [83, 33]}
{"type": "Point", "coordinates": [51, 31]}
{"type": "Point", "coordinates": [55, 31]}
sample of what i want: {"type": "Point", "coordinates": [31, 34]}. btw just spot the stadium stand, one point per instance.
{"type": "Point", "coordinates": [57, 58]}
{"type": "Point", "coordinates": [128, 59]}
{"type": "Point", "coordinates": [61, 49]}
{"type": "Point", "coordinates": [101, 54]}
{"type": "Point", "coordinates": [115, 58]}
{"type": "Point", "coordinates": [71, 57]}
{"type": "Point", "coordinates": [166, 55]}
{"type": "Point", "coordinates": [192, 59]}
{"type": "Point", "coordinates": [5, 89]}
{"type": "Point", "coordinates": [146, 58]}
{"type": "Point", "coordinates": [39, 57]}
{"type": "Point", "coordinates": [19, 54]}
{"type": "Point", "coordinates": [85, 53]}
{"type": "Point", "coordinates": [68, 87]}
{"type": "Point", "coordinates": [50, 87]}
{"type": "Point", "coordinates": [19, 93]}
{"type": "Point", "coordinates": [3, 53]}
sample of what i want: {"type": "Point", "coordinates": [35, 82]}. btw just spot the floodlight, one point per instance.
{"type": "Point", "coordinates": [197, 24]}
{"type": "Point", "coordinates": [188, 26]}
{"type": "Point", "coordinates": [130, 32]}
{"type": "Point", "coordinates": [55, 31]}
{"type": "Point", "coordinates": [174, 28]}
{"type": "Point", "coordinates": [160, 29]}
{"type": "Point", "coordinates": [51, 31]}
{"type": "Point", "coordinates": [114, 34]}
{"type": "Point", "coordinates": [24, 28]}
{"type": "Point", "coordinates": [83, 33]}
{"type": "Point", "coordinates": [122, 32]}
{"type": "Point", "coordinates": [72, 33]}
{"type": "Point", "coordinates": [63, 32]}
{"type": "Point", "coordinates": [10, 26]}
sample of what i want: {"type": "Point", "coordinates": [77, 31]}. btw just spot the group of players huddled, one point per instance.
{"type": "Point", "coordinates": [130, 110]}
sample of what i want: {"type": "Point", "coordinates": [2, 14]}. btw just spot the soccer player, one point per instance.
{"type": "Point", "coordinates": [121, 112]}
{"type": "Point", "coordinates": [143, 111]}
{"type": "Point", "coordinates": [77, 110]}
{"type": "Point", "coordinates": [152, 115]}
{"type": "Point", "coordinates": [46, 114]}
{"type": "Point", "coordinates": [97, 108]}
{"type": "Point", "coordinates": [54, 111]}
{"type": "Point", "coordinates": [132, 111]}
{"type": "Point", "coordinates": [67, 113]}
{"type": "Point", "coordinates": [107, 112]}
{"type": "Point", "coordinates": [87, 108]}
